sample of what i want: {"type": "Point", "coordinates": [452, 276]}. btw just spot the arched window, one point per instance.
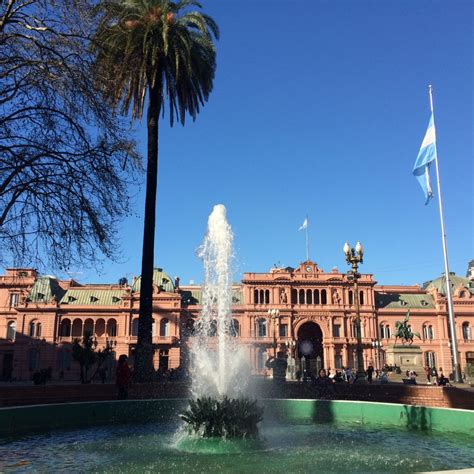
{"type": "Point", "coordinates": [88, 328]}
{"type": "Point", "coordinates": [309, 297]}
{"type": "Point", "coordinates": [301, 300]}
{"type": "Point", "coordinates": [430, 359]}
{"type": "Point", "coordinates": [234, 329]}
{"type": "Point", "coordinates": [261, 327]}
{"type": "Point", "coordinates": [316, 296]}
{"type": "Point", "coordinates": [38, 330]}
{"type": "Point", "coordinates": [65, 328]}
{"type": "Point", "coordinates": [112, 328]}
{"type": "Point", "coordinates": [385, 331]}
{"type": "Point", "coordinates": [267, 296]}
{"type": "Point", "coordinates": [100, 327]}
{"type": "Point", "coordinates": [294, 296]}
{"type": "Point", "coordinates": [324, 297]}
{"type": "Point", "coordinates": [33, 359]}
{"type": "Point", "coordinates": [466, 331]}
{"type": "Point", "coordinates": [361, 297]}
{"type": "Point", "coordinates": [31, 329]}
{"type": "Point", "coordinates": [428, 332]}
{"type": "Point", "coordinates": [351, 298]}
{"type": "Point", "coordinates": [261, 297]}
{"type": "Point", "coordinates": [213, 328]}
{"type": "Point", "coordinates": [77, 328]}
{"type": "Point", "coordinates": [11, 330]}
{"type": "Point", "coordinates": [64, 359]}
{"type": "Point", "coordinates": [135, 327]}
{"type": "Point", "coordinates": [255, 296]}
{"type": "Point", "coordinates": [164, 327]}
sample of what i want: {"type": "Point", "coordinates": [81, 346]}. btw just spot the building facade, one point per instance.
{"type": "Point", "coordinates": [40, 316]}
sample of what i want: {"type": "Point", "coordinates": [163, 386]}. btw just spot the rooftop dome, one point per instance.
{"type": "Point", "coordinates": [160, 279]}
{"type": "Point", "coordinates": [440, 283]}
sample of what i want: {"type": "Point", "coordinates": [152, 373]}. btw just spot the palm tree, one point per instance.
{"type": "Point", "coordinates": [149, 53]}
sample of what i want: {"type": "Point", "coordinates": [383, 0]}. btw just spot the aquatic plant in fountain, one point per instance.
{"type": "Point", "coordinates": [228, 418]}
{"type": "Point", "coordinates": [220, 371]}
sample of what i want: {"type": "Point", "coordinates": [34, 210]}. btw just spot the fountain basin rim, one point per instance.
{"type": "Point", "coordinates": [35, 418]}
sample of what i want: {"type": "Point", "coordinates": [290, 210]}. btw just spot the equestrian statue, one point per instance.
{"type": "Point", "coordinates": [403, 331]}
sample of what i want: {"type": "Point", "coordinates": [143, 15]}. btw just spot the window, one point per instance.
{"type": "Point", "coordinates": [262, 327]}
{"type": "Point", "coordinates": [64, 359]}
{"type": "Point", "coordinates": [336, 330]}
{"type": "Point", "coordinates": [261, 359]}
{"type": "Point", "coordinates": [428, 332]}
{"type": "Point", "coordinates": [301, 300]}
{"type": "Point", "coordinates": [466, 331]}
{"type": "Point", "coordinates": [361, 297]}
{"type": "Point", "coordinates": [283, 330]}
{"type": "Point", "coordinates": [351, 298]}
{"type": "Point", "coordinates": [316, 296]}
{"type": "Point", "coordinates": [234, 328]}
{"type": "Point", "coordinates": [11, 330]}
{"type": "Point", "coordinates": [135, 327]}
{"type": "Point", "coordinates": [309, 297]}
{"type": "Point", "coordinates": [430, 359]}
{"type": "Point", "coordinates": [294, 296]}
{"type": "Point", "coordinates": [14, 298]}
{"type": "Point", "coordinates": [267, 296]}
{"type": "Point", "coordinates": [38, 329]}
{"type": "Point", "coordinates": [112, 328]}
{"type": "Point", "coordinates": [255, 296]}
{"type": "Point", "coordinates": [65, 328]}
{"type": "Point", "coordinates": [164, 327]}
{"type": "Point", "coordinates": [33, 359]}
{"type": "Point", "coordinates": [357, 330]}
{"type": "Point", "coordinates": [261, 297]}
{"type": "Point", "coordinates": [31, 329]}
{"type": "Point", "coordinates": [385, 331]}
{"type": "Point", "coordinates": [324, 297]}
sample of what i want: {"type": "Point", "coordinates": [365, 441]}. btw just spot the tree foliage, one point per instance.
{"type": "Point", "coordinates": [64, 157]}
{"type": "Point", "coordinates": [149, 54]}
{"type": "Point", "coordinates": [86, 354]}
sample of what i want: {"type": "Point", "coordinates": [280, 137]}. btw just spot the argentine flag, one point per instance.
{"type": "Point", "coordinates": [426, 155]}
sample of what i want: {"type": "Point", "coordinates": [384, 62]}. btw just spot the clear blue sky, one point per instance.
{"type": "Point", "coordinates": [319, 108]}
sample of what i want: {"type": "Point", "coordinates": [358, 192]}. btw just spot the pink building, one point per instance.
{"type": "Point", "coordinates": [40, 316]}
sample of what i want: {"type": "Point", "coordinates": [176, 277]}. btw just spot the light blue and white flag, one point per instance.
{"type": "Point", "coordinates": [426, 155]}
{"type": "Point", "coordinates": [304, 225]}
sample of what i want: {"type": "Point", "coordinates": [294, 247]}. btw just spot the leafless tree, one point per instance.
{"type": "Point", "coordinates": [64, 157]}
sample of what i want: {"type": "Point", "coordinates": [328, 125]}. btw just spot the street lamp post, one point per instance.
{"type": "Point", "coordinates": [353, 258]}
{"type": "Point", "coordinates": [274, 314]}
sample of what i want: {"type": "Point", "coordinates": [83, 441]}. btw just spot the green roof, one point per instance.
{"type": "Point", "coordinates": [44, 289]}
{"type": "Point", "coordinates": [87, 296]}
{"type": "Point", "coordinates": [160, 278]}
{"type": "Point", "coordinates": [194, 296]}
{"type": "Point", "coordinates": [403, 300]}
{"type": "Point", "coordinates": [456, 282]}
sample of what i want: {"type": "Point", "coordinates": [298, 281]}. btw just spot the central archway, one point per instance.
{"type": "Point", "coordinates": [310, 346]}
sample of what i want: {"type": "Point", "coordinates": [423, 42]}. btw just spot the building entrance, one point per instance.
{"type": "Point", "coordinates": [310, 348]}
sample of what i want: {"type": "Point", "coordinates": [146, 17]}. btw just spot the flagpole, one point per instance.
{"type": "Point", "coordinates": [307, 239]}
{"type": "Point", "coordinates": [452, 322]}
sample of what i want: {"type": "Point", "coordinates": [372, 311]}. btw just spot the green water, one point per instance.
{"type": "Point", "coordinates": [281, 448]}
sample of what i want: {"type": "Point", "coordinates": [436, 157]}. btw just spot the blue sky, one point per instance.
{"type": "Point", "coordinates": [319, 108]}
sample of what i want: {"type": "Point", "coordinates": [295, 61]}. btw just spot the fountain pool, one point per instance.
{"type": "Point", "coordinates": [295, 436]}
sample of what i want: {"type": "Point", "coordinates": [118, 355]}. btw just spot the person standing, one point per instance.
{"type": "Point", "coordinates": [370, 373]}
{"type": "Point", "coordinates": [124, 376]}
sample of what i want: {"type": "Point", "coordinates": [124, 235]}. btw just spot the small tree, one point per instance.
{"type": "Point", "coordinates": [87, 356]}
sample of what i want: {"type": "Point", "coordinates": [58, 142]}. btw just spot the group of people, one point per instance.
{"type": "Point", "coordinates": [436, 377]}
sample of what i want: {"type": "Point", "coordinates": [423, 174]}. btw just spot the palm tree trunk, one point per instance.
{"type": "Point", "coordinates": [144, 352]}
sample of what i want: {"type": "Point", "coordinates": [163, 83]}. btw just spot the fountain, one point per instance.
{"type": "Point", "coordinates": [295, 435]}
{"type": "Point", "coordinates": [220, 372]}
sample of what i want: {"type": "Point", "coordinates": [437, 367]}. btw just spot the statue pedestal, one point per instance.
{"type": "Point", "coordinates": [406, 357]}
